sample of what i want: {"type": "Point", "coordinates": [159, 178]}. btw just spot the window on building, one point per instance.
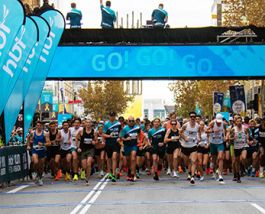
{"type": "Point", "coordinates": [146, 113]}
{"type": "Point", "coordinates": [159, 113]}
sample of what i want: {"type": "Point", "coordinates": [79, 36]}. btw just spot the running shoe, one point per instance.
{"type": "Point", "coordinates": [180, 169]}
{"type": "Point", "coordinates": [168, 171]}
{"type": "Point", "coordinates": [67, 177]}
{"type": "Point", "coordinates": [175, 174]}
{"type": "Point", "coordinates": [40, 182]}
{"type": "Point", "coordinates": [83, 175]}
{"type": "Point", "coordinates": [75, 177]}
{"type": "Point", "coordinates": [148, 172]}
{"type": "Point", "coordinates": [261, 175]}
{"type": "Point", "coordinates": [221, 180]}
{"type": "Point", "coordinates": [189, 177]}
{"type": "Point", "coordinates": [137, 175]}
{"type": "Point", "coordinates": [87, 183]}
{"type": "Point", "coordinates": [253, 174]}
{"type": "Point", "coordinates": [156, 178]}
{"type": "Point", "coordinates": [192, 180]}
{"type": "Point", "coordinates": [34, 176]}
{"type": "Point", "coordinates": [102, 173]}
{"type": "Point", "coordinates": [202, 178]}
{"type": "Point", "coordinates": [112, 177]}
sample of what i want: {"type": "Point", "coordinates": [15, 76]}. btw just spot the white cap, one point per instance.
{"type": "Point", "coordinates": [231, 118]}
{"type": "Point", "coordinates": [219, 118]}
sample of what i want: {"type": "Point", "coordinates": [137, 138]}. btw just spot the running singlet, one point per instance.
{"type": "Point", "coordinates": [113, 128]}
{"type": "Point", "coordinates": [254, 135]}
{"type": "Point", "coordinates": [53, 138]}
{"type": "Point", "coordinates": [132, 132]}
{"type": "Point", "coordinates": [37, 139]}
{"type": "Point", "coordinates": [262, 135]}
{"type": "Point", "coordinates": [191, 133]}
{"type": "Point", "coordinates": [86, 140]}
{"type": "Point", "coordinates": [204, 139]}
{"type": "Point", "coordinates": [217, 137]}
{"type": "Point", "coordinates": [240, 138]}
{"type": "Point", "coordinates": [74, 132]}
{"type": "Point", "coordinates": [172, 135]}
{"type": "Point", "coordinates": [157, 136]}
{"type": "Point", "coordinates": [66, 140]}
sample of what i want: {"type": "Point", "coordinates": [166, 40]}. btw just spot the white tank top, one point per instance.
{"type": "Point", "coordinates": [240, 138]}
{"type": "Point", "coordinates": [191, 133]}
{"type": "Point", "coordinates": [217, 137]}
{"type": "Point", "coordinates": [66, 140]}
{"type": "Point", "coordinates": [74, 132]}
{"type": "Point", "coordinates": [204, 139]}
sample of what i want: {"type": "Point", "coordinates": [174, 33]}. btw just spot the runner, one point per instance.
{"type": "Point", "coordinates": [74, 131]}
{"type": "Point", "coordinates": [190, 134]}
{"type": "Point", "coordinates": [100, 149]}
{"type": "Point", "coordinates": [217, 131]}
{"type": "Point", "coordinates": [203, 150]}
{"type": "Point", "coordinates": [253, 148]}
{"type": "Point", "coordinates": [53, 151]}
{"type": "Point", "coordinates": [173, 147]}
{"type": "Point", "coordinates": [156, 137]}
{"type": "Point", "coordinates": [130, 135]}
{"type": "Point", "coordinates": [262, 147]}
{"type": "Point", "coordinates": [239, 136]}
{"type": "Point", "coordinates": [111, 132]}
{"type": "Point", "coordinates": [87, 138]}
{"type": "Point", "coordinates": [66, 154]}
{"type": "Point", "coordinates": [147, 147]}
{"type": "Point", "coordinates": [39, 140]}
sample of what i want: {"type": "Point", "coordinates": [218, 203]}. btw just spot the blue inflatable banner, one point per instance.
{"type": "Point", "coordinates": [11, 18]}
{"type": "Point", "coordinates": [14, 94]}
{"type": "Point", "coordinates": [57, 24]}
{"type": "Point", "coordinates": [106, 62]}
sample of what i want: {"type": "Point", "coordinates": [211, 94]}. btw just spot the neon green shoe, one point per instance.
{"type": "Point", "coordinates": [261, 175]}
{"type": "Point", "coordinates": [83, 175]}
{"type": "Point", "coordinates": [75, 177]}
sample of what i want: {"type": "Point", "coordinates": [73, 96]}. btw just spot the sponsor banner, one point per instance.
{"type": "Point", "coordinates": [46, 101]}
{"type": "Point", "coordinates": [12, 98]}
{"type": "Point", "coordinates": [218, 99]}
{"type": "Point", "coordinates": [238, 102]}
{"type": "Point", "coordinates": [57, 24]}
{"type": "Point", "coordinates": [13, 163]}
{"type": "Point", "coordinates": [193, 61]}
{"type": "Point", "coordinates": [9, 27]}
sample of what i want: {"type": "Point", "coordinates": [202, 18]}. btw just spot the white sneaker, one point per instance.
{"type": "Point", "coordinates": [40, 182]}
{"type": "Point", "coordinates": [34, 176]}
{"type": "Point", "coordinates": [214, 176]}
{"type": "Point", "coordinates": [202, 178]}
{"type": "Point", "coordinates": [102, 173]}
{"type": "Point", "coordinates": [175, 174]}
{"type": "Point", "coordinates": [168, 171]}
{"type": "Point", "coordinates": [221, 180]}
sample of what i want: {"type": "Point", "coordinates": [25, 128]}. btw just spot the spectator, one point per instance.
{"type": "Point", "coordinates": [45, 7]}
{"type": "Point", "coordinates": [74, 16]}
{"type": "Point", "coordinates": [108, 15]}
{"type": "Point", "coordinates": [159, 17]}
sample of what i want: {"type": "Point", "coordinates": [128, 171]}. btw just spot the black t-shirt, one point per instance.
{"type": "Point", "coordinates": [86, 140]}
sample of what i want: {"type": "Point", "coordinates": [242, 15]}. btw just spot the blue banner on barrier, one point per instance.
{"type": "Point", "coordinates": [9, 26]}
{"type": "Point", "coordinates": [14, 94]}
{"type": "Point", "coordinates": [57, 25]}
{"type": "Point", "coordinates": [158, 61]}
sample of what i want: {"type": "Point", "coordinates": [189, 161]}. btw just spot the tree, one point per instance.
{"type": "Point", "coordinates": [188, 93]}
{"type": "Point", "coordinates": [244, 12]}
{"type": "Point", "coordinates": [101, 97]}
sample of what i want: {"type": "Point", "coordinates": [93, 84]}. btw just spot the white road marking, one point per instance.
{"type": "Point", "coordinates": [88, 196]}
{"type": "Point", "coordinates": [258, 208]}
{"type": "Point", "coordinates": [18, 189]}
{"type": "Point", "coordinates": [94, 198]}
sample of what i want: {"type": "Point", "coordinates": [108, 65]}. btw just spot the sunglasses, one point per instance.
{"type": "Point", "coordinates": [192, 116]}
{"type": "Point", "coordinates": [130, 121]}
{"type": "Point", "coordinates": [173, 124]}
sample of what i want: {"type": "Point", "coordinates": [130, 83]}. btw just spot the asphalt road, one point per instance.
{"type": "Point", "coordinates": [144, 196]}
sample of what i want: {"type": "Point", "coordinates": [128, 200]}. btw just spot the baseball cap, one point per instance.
{"type": "Point", "coordinates": [219, 118]}
{"type": "Point", "coordinates": [231, 118]}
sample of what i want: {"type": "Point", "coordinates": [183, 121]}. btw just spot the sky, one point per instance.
{"type": "Point", "coordinates": [182, 13]}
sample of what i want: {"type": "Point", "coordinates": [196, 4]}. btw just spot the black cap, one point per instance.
{"type": "Point", "coordinates": [112, 113]}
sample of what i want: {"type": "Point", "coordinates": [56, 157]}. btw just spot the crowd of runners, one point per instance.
{"type": "Point", "coordinates": [130, 148]}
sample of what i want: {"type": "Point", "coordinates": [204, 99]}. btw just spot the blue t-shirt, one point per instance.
{"type": "Point", "coordinates": [132, 132]}
{"type": "Point", "coordinates": [158, 17]}
{"type": "Point", "coordinates": [113, 128]}
{"type": "Point", "coordinates": [108, 17]}
{"type": "Point", "coordinates": [157, 135]}
{"type": "Point", "coordinates": [75, 17]}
